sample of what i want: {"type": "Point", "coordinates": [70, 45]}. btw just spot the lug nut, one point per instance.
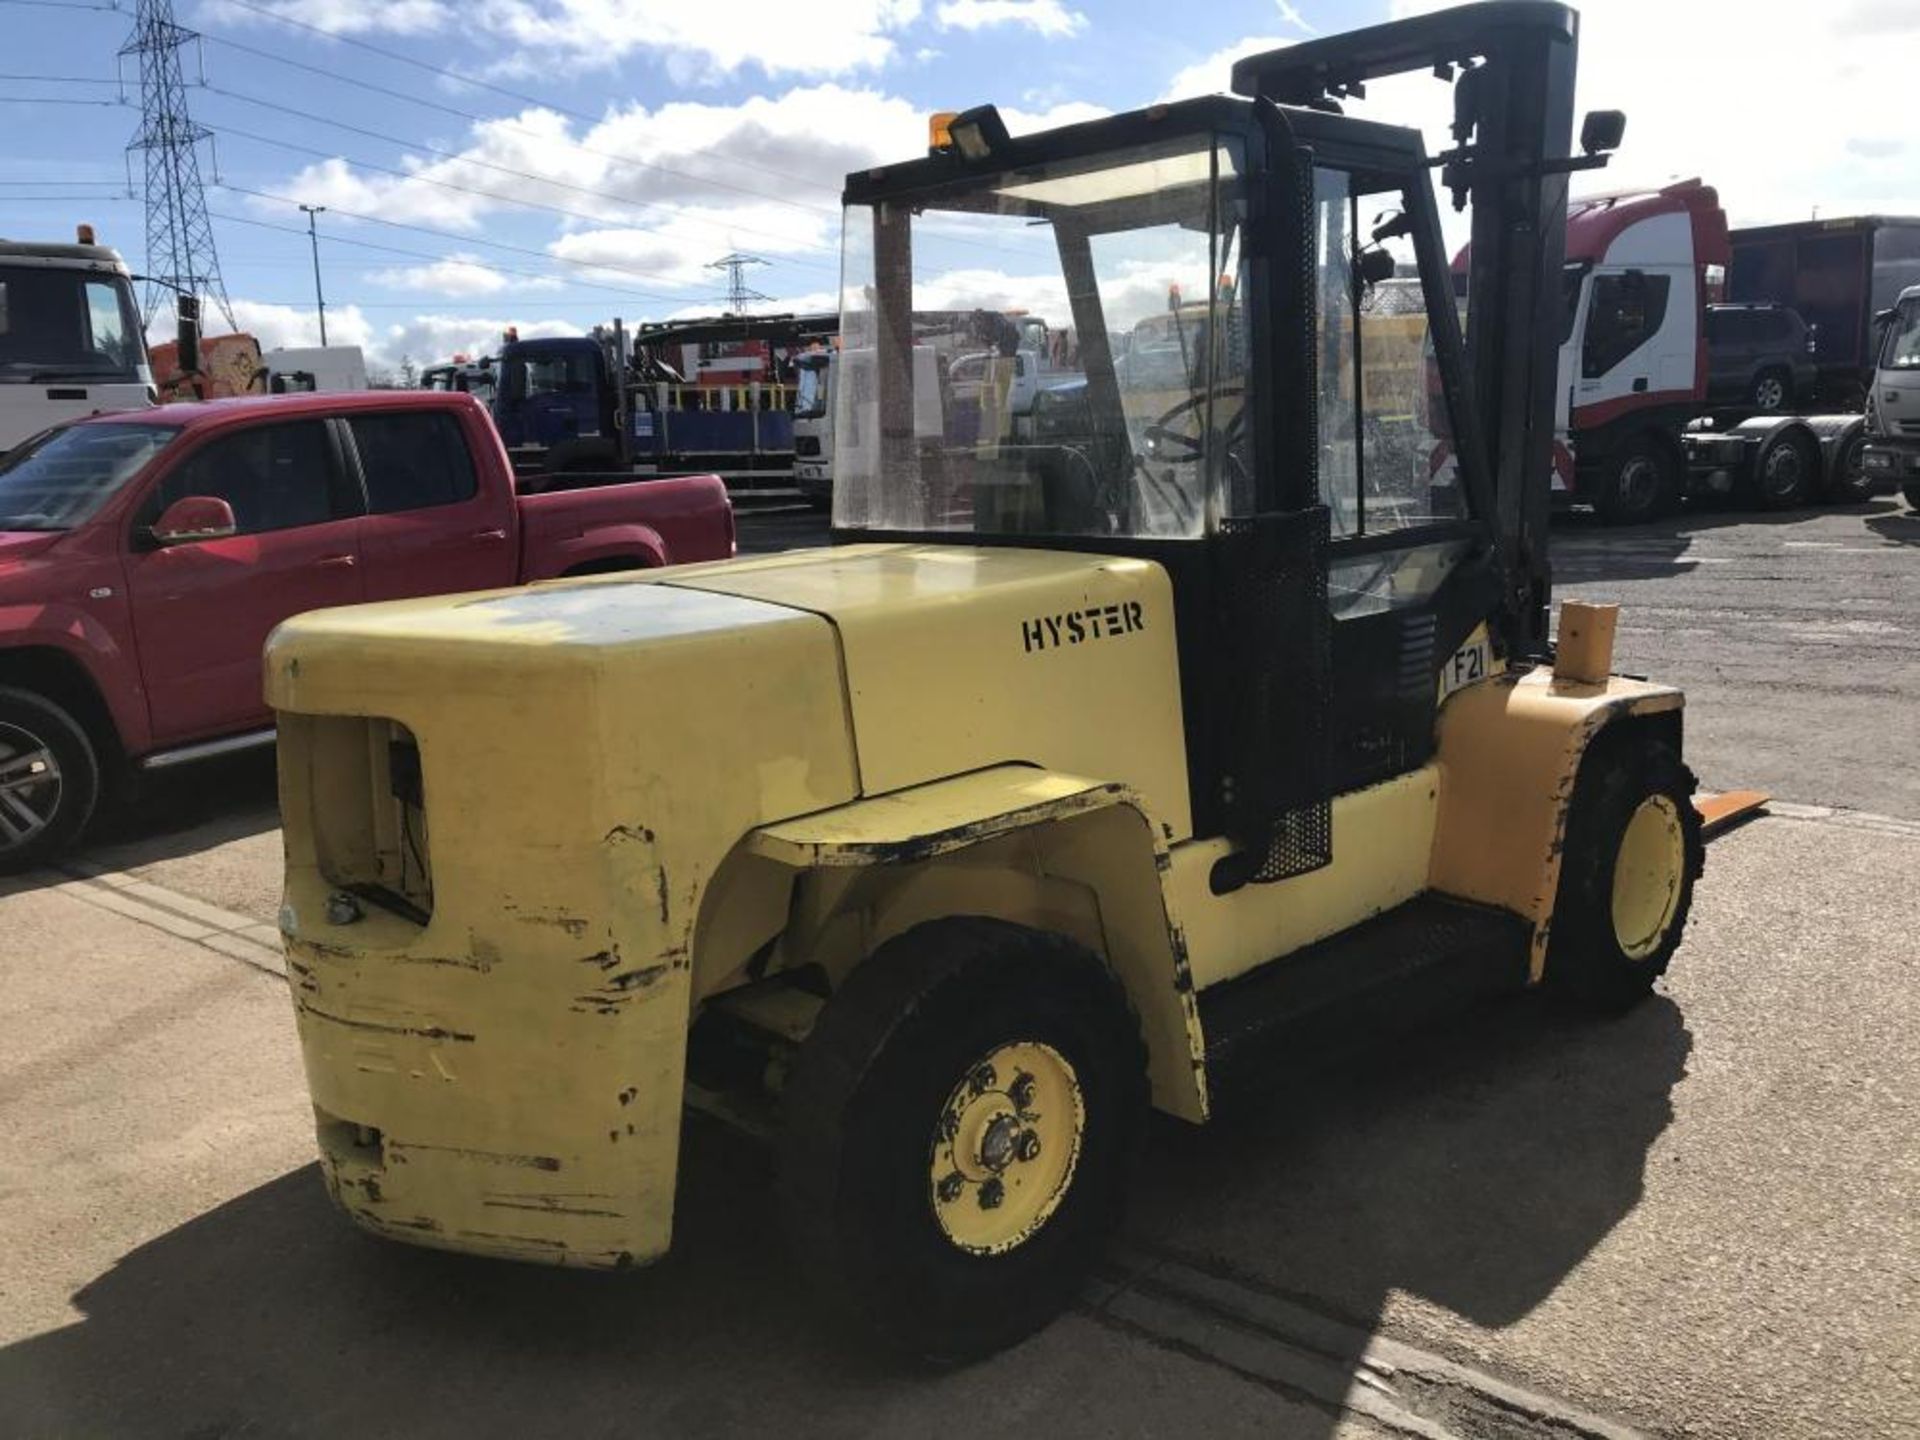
{"type": "Point", "coordinates": [949, 1125]}
{"type": "Point", "coordinates": [1021, 1091]}
{"type": "Point", "coordinates": [951, 1184]}
{"type": "Point", "coordinates": [1028, 1145]}
{"type": "Point", "coordinates": [981, 1080]}
{"type": "Point", "coordinates": [992, 1193]}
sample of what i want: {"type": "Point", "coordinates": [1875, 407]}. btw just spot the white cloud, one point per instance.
{"type": "Point", "coordinates": [426, 339]}
{"type": "Point", "coordinates": [1214, 74]}
{"type": "Point", "coordinates": [1779, 125]}
{"type": "Point", "coordinates": [343, 17]}
{"type": "Point", "coordinates": [1045, 17]}
{"type": "Point", "coordinates": [458, 276]}
{"type": "Point", "coordinates": [1293, 17]}
{"type": "Point", "coordinates": [705, 41]}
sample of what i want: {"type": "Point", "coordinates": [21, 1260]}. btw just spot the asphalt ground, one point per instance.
{"type": "Point", "coordinates": [1697, 1220]}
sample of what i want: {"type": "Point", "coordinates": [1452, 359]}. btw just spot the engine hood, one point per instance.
{"type": "Point", "coordinates": [959, 657]}
{"type": "Point", "coordinates": [25, 544]}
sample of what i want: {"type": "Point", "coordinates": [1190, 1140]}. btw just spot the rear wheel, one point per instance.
{"type": "Point", "coordinates": [1785, 473]}
{"type": "Point", "coordinates": [1633, 851]}
{"type": "Point", "coordinates": [1770, 391]}
{"type": "Point", "coordinates": [49, 779]}
{"type": "Point", "coordinates": [959, 1132]}
{"type": "Point", "coordinates": [1849, 483]}
{"type": "Point", "coordinates": [1642, 482]}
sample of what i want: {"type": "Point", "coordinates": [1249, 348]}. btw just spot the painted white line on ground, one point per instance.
{"type": "Point", "coordinates": [224, 932]}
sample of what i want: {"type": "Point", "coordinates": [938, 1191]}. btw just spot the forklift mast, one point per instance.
{"type": "Point", "coordinates": [1511, 66]}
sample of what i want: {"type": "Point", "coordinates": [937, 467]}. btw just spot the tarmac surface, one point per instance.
{"type": "Point", "coordinates": [1696, 1220]}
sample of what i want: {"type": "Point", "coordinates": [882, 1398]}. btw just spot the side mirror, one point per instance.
{"type": "Point", "coordinates": [194, 517]}
{"type": "Point", "coordinates": [1880, 317]}
{"type": "Point", "coordinates": [1602, 131]}
{"type": "Point", "coordinates": [186, 309]}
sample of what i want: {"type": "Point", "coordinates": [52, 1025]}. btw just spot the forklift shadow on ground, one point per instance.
{"type": "Point", "coordinates": [1473, 1165]}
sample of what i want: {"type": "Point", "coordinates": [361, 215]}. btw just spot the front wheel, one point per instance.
{"type": "Point", "coordinates": [1642, 483]}
{"type": "Point", "coordinates": [1785, 473]}
{"type": "Point", "coordinates": [959, 1133]}
{"type": "Point", "coordinates": [49, 779]}
{"type": "Point", "coordinates": [1633, 850]}
{"type": "Point", "coordinates": [1911, 490]}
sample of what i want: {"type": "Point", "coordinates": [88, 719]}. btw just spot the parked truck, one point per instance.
{"type": "Point", "coordinates": [70, 336]}
{"type": "Point", "coordinates": [144, 559]}
{"type": "Point", "coordinates": [1642, 418]}
{"type": "Point", "coordinates": [1893, 406]}
{"type": "Point", "coordinates": [714, 395]}
{"type": "Point", "coordinates": [1839, 275]}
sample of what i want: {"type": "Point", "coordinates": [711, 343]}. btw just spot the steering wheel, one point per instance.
{"type": "Point", "coordinates": [1178, 447]}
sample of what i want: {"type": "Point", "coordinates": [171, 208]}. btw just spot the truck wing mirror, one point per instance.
{"type": "Point", "coordinates": [194, 517]}
{"type": "Point", "coordinates": [1602, 131]}
{"type": "Point", "coordinates": [1375, 266]}
{"type": "Point", "coordinates": [186, 309]}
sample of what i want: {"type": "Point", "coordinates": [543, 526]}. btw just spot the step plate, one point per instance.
{"type": "Point", "coordinates": [1389, 972]}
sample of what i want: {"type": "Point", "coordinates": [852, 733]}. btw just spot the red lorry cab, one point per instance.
{"type": "Point", "coordinates": [132, 635]}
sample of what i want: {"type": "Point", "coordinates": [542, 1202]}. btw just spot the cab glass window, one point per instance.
{"type": "Point", "coordinates": [275, 477]}
{"type": "Point", "coordinates": [1386, 455]}
{"type": "Point", "coordinates": [1056, 350]}
{"type": "Point", "coordinates": [412, 461]}
{"type": "Point", "coordinates": [1626, 311]}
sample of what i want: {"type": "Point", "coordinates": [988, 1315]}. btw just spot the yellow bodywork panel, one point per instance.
{"type": "Point", "coordinates": [1382, 846]}
{"type": "Point", "coordinates": [1510, 751]}
{"type": "Point", "coordinates": [960, 658]}
{"type": "Point", "coordinates": [1061, 852]}
{"type": "Point", "coordinates": [506, 1076]}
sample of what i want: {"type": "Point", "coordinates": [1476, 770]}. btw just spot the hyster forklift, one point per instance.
{"type": "Point", "coordinates": [1092, 755]}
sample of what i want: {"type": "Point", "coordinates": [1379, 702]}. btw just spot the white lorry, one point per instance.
{"type": "Point", "coordinates": [70, 336]}
{"type": "Point", "coordinates": [1893, 404]}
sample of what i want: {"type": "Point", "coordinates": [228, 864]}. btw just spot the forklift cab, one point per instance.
{"type": "Point", "coordinates": [1325, 520]}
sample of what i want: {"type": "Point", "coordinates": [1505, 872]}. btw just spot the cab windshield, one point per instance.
{"type": "Point", "coordinates": [810, 387]}
{"type": "Point", "coordinates": [1054, 350]}
{"type": "Point", "coordinates": [1902, 348]}
{"type": "Point", "coordinates": [58, 479]}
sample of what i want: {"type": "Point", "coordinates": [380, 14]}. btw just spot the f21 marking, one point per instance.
{"type": "Point", "coordinates": [1471, 662]}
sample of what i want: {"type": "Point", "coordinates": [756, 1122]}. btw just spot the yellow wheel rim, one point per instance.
{"type": "Point", "coordinates": [1005, 1146]}
{"type": "Point", "coordinates": [1647, 875]}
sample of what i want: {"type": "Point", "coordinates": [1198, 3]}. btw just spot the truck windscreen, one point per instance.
{"type": "Point", "coordinates": [60, 478]}
{"type": "Point", "coordinates": [68, 325]}
{"type": "Point", "coordinates": [1902, 348]}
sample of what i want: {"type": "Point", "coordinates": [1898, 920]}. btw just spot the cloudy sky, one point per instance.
{"type": "Point", "coordinates": [551, 163]}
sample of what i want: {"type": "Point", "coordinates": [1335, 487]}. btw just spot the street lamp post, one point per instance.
{"type": "Point", "coordinates": [320, 299]}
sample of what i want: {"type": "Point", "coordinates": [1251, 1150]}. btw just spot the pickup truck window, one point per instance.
{"type": "Point", "coordinates": [59, 479]}
{"type": "Point", "coordinates": [275, 477]}
{"type": "Point", "coordinates": [412, 461]}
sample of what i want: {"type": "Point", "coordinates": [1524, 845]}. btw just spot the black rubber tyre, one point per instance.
{"type": "Point", "coordinates": [1771, 391]}
{"type": "Point", "coordinates": [862, 1110]}
{"type": "Point", "coordinates": [1786, 473]}
{"type": "Point", "coordinates": [1911, 490]}
{"type": "Point", "coordinates": [1849, 483]}
{"type": "Point", "coordinates": [1587, 962]}
{"type": "Point", "coordinates": [1640, 483]}
{"type": "Point", "coordinates": [41, 819]}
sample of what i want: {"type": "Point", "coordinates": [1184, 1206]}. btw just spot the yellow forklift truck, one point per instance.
{"type": "Point", "coordinates": [1089, 757]}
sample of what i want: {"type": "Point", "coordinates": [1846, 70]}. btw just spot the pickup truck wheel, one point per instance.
{"type": "Point", "coordinates": [1642, 483]}
{"type": "Point", "coordinates": [49, 779]}
{"type": "Point", "coordinates": [959, 1132]}
{"type": "Point", "coordinates": [1770, 391]}
{"type": "Point", "coordinates": [1633, 851]}
{"type": "Point", "coordinates": [1911, 490]}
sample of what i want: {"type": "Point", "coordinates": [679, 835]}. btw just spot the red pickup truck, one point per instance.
{"type": "Point", "coordinates": [144, 557]}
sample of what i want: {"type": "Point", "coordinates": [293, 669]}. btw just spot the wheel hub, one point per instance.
{"type": "Point", "coordinates": [1005, 1147]}
{"type": "Point", "coordinates": [1648, 871]}
{"type": "Point", "coordinates": [30, 786]}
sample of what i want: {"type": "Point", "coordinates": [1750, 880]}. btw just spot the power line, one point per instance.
{"type": "Point", "coordinates": [56, 99]}
{"type": "Point", "coordinates": [456, 157]}
{"type": "Point", "coordinates": [432, 69]}
{"type": "Point", "coordinates": [492, 120]}
{"type": "Point", "coordinates": [439, 257]}
{"type": "Point", "coordinates": [66, 79]}
{"type": "Point", "coordinates": [63, 5]}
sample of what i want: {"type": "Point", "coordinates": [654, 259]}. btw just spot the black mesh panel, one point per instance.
{"type": "Point", "coordinates": [1273, 701]}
